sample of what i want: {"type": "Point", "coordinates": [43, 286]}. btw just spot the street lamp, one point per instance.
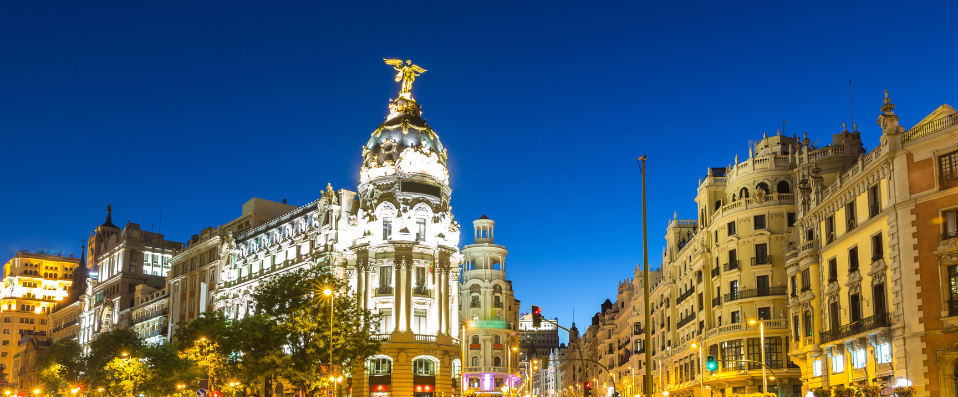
{"type": "Point", "coordinates": [329, 292]}
{"type": "Point", "coordinates": [701, 373]}
{"type": "Point", "coordinates": [645, 283]}
{"type": "Point", "coordinates": [761, 328]}
{"type": "Point", "coordinates": [335, 380]}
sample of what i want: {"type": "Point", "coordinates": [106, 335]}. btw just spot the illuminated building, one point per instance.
{"type": "Point", "coordinates": [33, 285]}
{"type": "Point", "coordinates": [121, 259]}
{"type": "Point", "coordinates": [492, 314]}
{"type": "Point", "coordinates": [872, 259]}
{"type": "Point", "coordinates": [196, 268]}
{"type": "Point", "coordinates": [394, 240]}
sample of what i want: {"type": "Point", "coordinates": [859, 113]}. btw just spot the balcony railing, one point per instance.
{"type": "Point", "coordinates": [421, 290]}
{"type": "Point", "coordinates": [949, 234]}
{"type": "Point", "coordinates": [877, 256]}
{"type": "Point", "coordinates": [755, 292]}
{"type": "Point", "coordinates": [497, 305]}
{"type": "Point", "coordinates": [731, 265]}
{"type": "Point", "coordinates": [384, 290]}
{"type": "Point", "coordinates": [872, 210]}
{"type": "Point", "coordinates": [425, 338]}
{"type": "Point", "coordinates": [640, 331]}
{"type": "Point", "coordinates": [762, 260]}
{"type": "Point", "coordinates": [474, 304]}
{"type": "Point", "coordinates": [716, 301]}
{"type": "Point", "coordinates": [66, 325]}
{"type": "Point", "coordinates": [685, 295]}
{"type": "Point", "coordinates": [864, 325]}
{"type": "Point", "coordinates": [156, 314]}
{"type": "Point", "coordinates": [685, 321]}
{"type": "Point", "coordinates": [953, 305]}
{"type": "Point", "coordinates": [381, 337]}
{"type": "Point", "coordinates": [716, 272]}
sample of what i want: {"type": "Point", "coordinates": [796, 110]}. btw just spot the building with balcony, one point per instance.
{"type": "Point", "coordinates": [149, 317]}
{"type": "Point", "coordinates": [34, 285]}
{"type": "Point", "coordinates": [870, 258]}
{"type": "Point", "coordinates": [119, 260]}
{"type": "Point", "coordinates": [492, 316]}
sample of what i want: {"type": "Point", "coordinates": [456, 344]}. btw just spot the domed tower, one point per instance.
{"type": "Point", "coordinates": [491, 314]}
{"type": "Point", "coordinates": [406, 255]}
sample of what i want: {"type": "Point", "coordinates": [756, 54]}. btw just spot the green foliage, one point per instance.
{"type": "Point", "coordinates": [106, 347]}
{"type": "Point", "coordinates": [301, 311]}
{"type": "Point", "coordinates": [166, 370]}
{"type": "Point", "coordinates": [61, 366]}
{"type": "Point", "coordinates": [124, 375]}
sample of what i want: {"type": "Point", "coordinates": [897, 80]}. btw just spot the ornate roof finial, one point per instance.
{"type": "Point", "coordinates": [844, 128]}
{"type": "Point", "coordinates": [778, 132]}
{"type": "Point", "coordinates": [764, 135]}
{"type": "Point", "coordinates": [856, 127]}
{"type": "Point", "coordinates": [736, 159]}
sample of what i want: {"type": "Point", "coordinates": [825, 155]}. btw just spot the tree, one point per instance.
{"type": "Point", "coordinates": [61, 366]}
{"type": "Point", "coordinates": [124, 375]}
{"type": "Point", "coordinates": [209, 343]}
{"type": "Point", "coordinates": [106, 347]}
{"type": "Point", "coordinates": [295, 302]}
{"type": "Point", "coordinates": [166, 370]}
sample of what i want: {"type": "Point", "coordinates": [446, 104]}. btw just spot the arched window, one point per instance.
{"type": "Point", "coordinates": [783, 187]}
{"type": "Point", "coordinates": [475, 339]}
{"type": "Point", "coordinates": [498, 340]}
{"type": "Point", "coordinates": [763, 187]}
{"type": "Point", "coordinates": [497, 362]}
{"type": "Point", "coordinates": [380, 365]}
{"type": "Point", "coordinates": [424, 367]}
{"type": "Point", "coordinates": [475, 361]}
{"type": "Point", "coordinates": [743, 193]}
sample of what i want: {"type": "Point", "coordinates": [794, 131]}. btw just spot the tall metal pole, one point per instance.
{"type": "Point", "coordinates": [761, 328]}
{"type": "Point", "coordinates": [645, 285]}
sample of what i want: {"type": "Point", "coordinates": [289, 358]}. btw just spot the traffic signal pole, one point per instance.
{"type": "Point", "coordinates": [615, 388]}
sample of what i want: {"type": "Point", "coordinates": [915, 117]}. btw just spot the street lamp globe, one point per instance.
{"type": "Point", "coordinates": [327, 292]}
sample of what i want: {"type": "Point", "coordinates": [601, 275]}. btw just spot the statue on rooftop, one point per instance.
{"type": "Point", "coordinates": [407, 75]}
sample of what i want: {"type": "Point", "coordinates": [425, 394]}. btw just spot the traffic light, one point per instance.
{"type": "Point", "coordinates": [545, 362]}
{"type": "Point", "coordinates": [536, 316]}
{"type": "Point", "coordinates": [710, 363]}
{"type": "Point", "coordinates": [588, 389]}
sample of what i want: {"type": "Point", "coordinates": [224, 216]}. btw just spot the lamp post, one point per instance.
{"type": "Point", "coordinates": [509, 365]}
{"type": "Point", "coordinates": [761, 335]}
{"type": "Point", "coordinates": [328, 292]}
{"type": "Point", "coordinates": [701, 366]}
{"type": "Point", "coordinates": [645, 282]}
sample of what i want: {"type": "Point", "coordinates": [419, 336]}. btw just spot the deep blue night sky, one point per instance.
{"type": "Point", "coordinates": [192, 108]}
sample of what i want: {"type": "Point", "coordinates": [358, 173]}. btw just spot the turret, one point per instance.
{"type": "Point", "coordinates": [484, 230]}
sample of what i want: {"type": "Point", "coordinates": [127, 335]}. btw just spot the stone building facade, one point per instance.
{"type": "Point", "coordinates": [491, 316]}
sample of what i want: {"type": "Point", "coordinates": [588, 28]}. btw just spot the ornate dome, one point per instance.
{"type": "Point", "coordinates": [405, 141]}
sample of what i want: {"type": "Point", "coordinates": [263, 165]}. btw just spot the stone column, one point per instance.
{"type": "Point", "coordinates": [407, 290]}
{"type": "Point", "coordinates": [360, 283]}
{"type": "Point", "coordinates": [367, 268]}
{"type": "Point", "coordinates": [397, 293]}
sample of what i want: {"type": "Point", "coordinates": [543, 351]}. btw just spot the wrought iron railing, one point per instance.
{"type": "Point", "coordinates": [731, 265]}
{"type": "Point", "coordinates": [685, 295]}
{"type": "Point", "coordinates": [716, 301]}
{"type": "Point", "coordinates": [755, 292]}
{"type": "Point", "coordinates": [949, 234]}
{"type": "Point", "coordinates": [762, 260]}
{"type": "Point", "coordinates": [156, 314]}
{"type": "Point", "coordinates": [864, 325]}
{"type": "Point", "coordinates": [716, 272]}
{"type": "Point", "coordinates": [384, 290]}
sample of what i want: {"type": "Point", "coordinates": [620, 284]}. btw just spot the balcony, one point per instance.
{"type": "Point", "coordinates": [685, 295]}
{"type": "Point", "coordinates": [948, 235]}
{"type": "Point", "coordinates": [877, 256]}
{"type": "Point", "coordinates": [731, 265]}
{"type": "Point", "coordinates": [755, 293]}
{"type": "Point", "coordinates": [639, 331]}
{"type": "Point", "coordinates": [762, 260]}
{"type": "Point", "coordinates": [685, 321]}
{"type": "Point", "coordinates": [424, 338]}
{"type": "Point", "coordinates": [716, 301]}
{"type": "Point", "coordinates": [873, 210]}
{"type": "Point", "coordinates": [497, 305]}
{"type": "Point", "coordinates": [381, 337]}
{"type": "Point", "coordinates": [474, 305]}
{"type": "Point", "coordinates": [739, 327]}
{"type": "Point", "coordinates": [156, 314]}
{"type": "Point", "coordinates": [64, 326]}
{"type": "Point", "coordinates": [384, 290]}
{"type": "Point", "coordinates": [953, 305]}
{"type": "Point", "coordinates": [716, 272]}
{"type": "Point", "coordinates": [864, 325]}
{"type": "Point", "coordinates": [421, 290]}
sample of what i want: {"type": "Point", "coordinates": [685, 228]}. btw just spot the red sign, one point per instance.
{"type": "Point", "coordinates": [423, 388]}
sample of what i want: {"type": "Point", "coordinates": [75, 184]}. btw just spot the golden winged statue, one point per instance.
{"type": "Point", "coordinates": [407, 74]}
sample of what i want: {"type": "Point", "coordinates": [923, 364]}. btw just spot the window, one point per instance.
{"type": "Point", "coordinates": [764, 313]}
{"type": "Point", "coordinates": [733, 350]}
{"type": "Point", "coordinates": [731, 228]}
{"type": "Point", "coordinates": [387, 228]}
{"type": "Point", "coordinates": [883, 353]}
{"type": "Point", "coordinates": [834, 315]}
{"type": "Point", "coordinates": [790, 219]}
{"type": "Point", "coordinates": [874, 201]}
{"type": "Point", "coordinates": [948, 170]}
{"type": "Point", "coordinates": [419, 321]}
{"type": "Point", "coordinates": [424, 367]}
{"type": "Point", "coordinates": [829, 229]}
{"type": "Point", "coordinates": [385, 276]}
{"type": "Point", "coordinates": [733, 292]}
{"type": "Point", "coordinates": [838, 363]}
{"type": "Point", "coordinates": [850, 215]}
{"type": "Point", "coordinates": [6, 342]}
{"type": "Point", "coordinates": [808, 323]}
{"type": "Point", "coordinates": [878, 251]}
{"type": "Point", "coordinates": [761, 254]}
{"type": "Point", "coordinates": [855, 307]}
{"type": "Point", "coordinates": [832, 270]}
{"type": "Point", "coordinates": [795, 328]}
{"type": "Point", "coordinates": [759, 222]}
{"type": "Point", "coordinates": [380, 366]}
{"type": "Point", "coordinates": [878, 295]}
{"type": "Point", "coordinates": [858, 359]}
{"type": "Point", "coordinates": [949, 224]}
{"type": "Point", "coordinates": [497, 362]}
{"type": "Point", "coordinates": [809, 234]}
{"type": "Point", "coordinates": [817, 368]}
{"type": "Point", "coordinates": [420, 230]}
{"type": "Point", "coordinates": [793, 282]}
{"type": "Point", "coordinates": [736, 317]}
{"type": "Point", "coordinates": [806, 280]}
{"type": "Point", "coordinates": [853, 260]}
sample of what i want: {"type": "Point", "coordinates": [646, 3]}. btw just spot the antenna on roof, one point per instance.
{"type": "Point", "coordinates": [783, 126]}
{"type": "Point", "coordinates": [851, 106]}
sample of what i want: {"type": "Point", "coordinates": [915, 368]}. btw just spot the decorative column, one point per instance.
{"type": "Point", "coordinates": [407, 290]}
{"type": "Point", "coordinates": [360, 283]}
{"type": "Point", "coordinates": [367, 268]}
{"type": "Point", "coordinates": [397, 293]}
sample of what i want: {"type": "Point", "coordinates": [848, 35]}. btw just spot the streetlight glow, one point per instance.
{"type": "Point", "coordinates": [327, 292]}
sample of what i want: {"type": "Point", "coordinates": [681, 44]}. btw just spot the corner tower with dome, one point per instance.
{"type": "Point", "coordinates": [394, 239]}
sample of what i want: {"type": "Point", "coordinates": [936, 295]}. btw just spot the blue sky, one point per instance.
{"type": "Point", "coordinates": [190, 109]}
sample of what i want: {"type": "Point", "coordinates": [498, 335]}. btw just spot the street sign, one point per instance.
{"type": "Point", "coordinates": [200, 392]}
